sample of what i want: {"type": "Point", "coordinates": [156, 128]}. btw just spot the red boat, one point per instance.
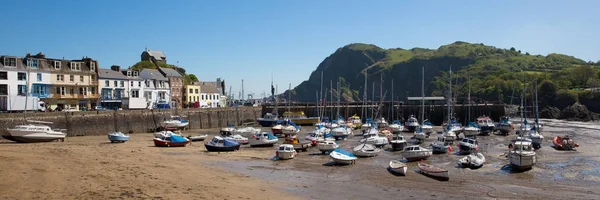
{"type": "Point", "coordinates": [171, 141]}
{"type": "Point", "coordinates": [564, 143]}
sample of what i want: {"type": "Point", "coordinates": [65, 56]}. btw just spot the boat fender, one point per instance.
{"type": "Point", "coordinates": [449, 148]}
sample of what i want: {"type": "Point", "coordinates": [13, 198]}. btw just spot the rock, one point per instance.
{"type": "Point", "coordinates": [578, 112]}
{"type": "Point", "coordinates": [550, 113]}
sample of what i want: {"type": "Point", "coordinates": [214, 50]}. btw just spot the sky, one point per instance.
{"type": "Point", "coordinates": [254, 40]}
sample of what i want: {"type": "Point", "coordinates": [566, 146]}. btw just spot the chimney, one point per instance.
{"type": "Point", "coordinates": [40, 55]}
{"type": "Point", "coordinates": [115, 68]}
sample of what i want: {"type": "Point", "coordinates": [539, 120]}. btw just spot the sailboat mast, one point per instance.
{"type": "Point", "coordinates": [392, 112]}
{"type": "Point", "coordinates": [242, 89]}
{"type": "Point", "coordinates": [276, 100]}
{"type": "Point", "coordinates": [537, 128]}
{"type": "Point", "coordinates": [423, 95]}
{"type": "Point", "coordinates": [289, 97]}
{"type": "Point", "coordinates": [380, 95]}
{"type": "Point", "coordinates": [27, 88]}
{"type": "Point", "coordinates": [450, 95]}
{"type": "Point", "coordinates": [320, 97]}
{"type": "Point", "coordinates": [524, 97]}
{"type": "Point", "coordinates": [364, 97]}
{"type": "Point", "coordinates": [373, 100]}
{"type": "Point", "coordinates": [469, 100]}
{"type": "Point", "coordinates": [338, 98]}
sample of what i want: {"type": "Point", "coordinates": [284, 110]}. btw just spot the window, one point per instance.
{"type": "Point", "coordinates": [60, 77]}
{"type": "Point", "coordinates": [76, 66]}
{"type": "Point", "coordinates": [71, 91]}
{"type": "Point", "coordinates": [191, 90]}
{"type": "Point", "coordinates": [34, 63]}
{"type": "Point", "coordinates": [93, 66]}
{"type": "Point", "coordinates": [72, 78]}
{"type": "Point", "coordinates": [106, 83]}
{"type": "Point", "coordinates": [39, 76]}
{"type": "Point", "coordinates": [3, 76]}
{"type": "Point", "coordinates": [3, 89]}
{"type": "Point", "coordinates": [135, 94]}
{"type": "Point", "coordinates": [81, 91]}
{"type": "Point", "coordinates": [10, 62]}
{"type": "Point", "coordinates": [93, 90]}
{"type": "Point", "coordinates": [21, 76]}
{"type": "Point", "coordinates": [81, 78]}
{"type": "Point", "coordinates": [92, 78]}
{"type": "Point", "coordinates": [60, 90]}
{"type": "Point", "coordinates": [140, 84]}
{"type": "Point", "coordinates": [196, 91]}
{"type": "Point", "coordinates": [57, 65]}
{"type": "Point", "coordinates": [131, 83]}
{"type": "Point", "coordinates": [128, 73]}
{"type": "Point", "coordinates": [116, 84]}
{"type": "Point", "coordinates": [122, 83]}
{"type": "Point", "coordinates": [22, 90]}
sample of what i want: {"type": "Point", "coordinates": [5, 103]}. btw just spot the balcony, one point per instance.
{"type": "Point", "coordinates": [74, 96]}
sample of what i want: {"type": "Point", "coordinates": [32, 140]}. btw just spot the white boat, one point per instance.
{"type": "Point", "coordinates": [449, 135]}
{"type": "Point", "coordinates": [415, 153]}
{"type": "Point", "coordinates": [342, 157]}
{"type": "Point", "coordinates": [197, 137]}
{"type": "Point", "coordinates": [227, 131]}
{"type": "Point", "coordinates": [175, 122]}
{"type": "Point", "coordinates": [441, 145]}
{"type": "Point", "coordinates": [374, 139]}
{"type": "Point", "coordinates": [486, 124]}
{"type": "Point", "coordinates": [366, 126]}
{"type": "Point", "coordinates": [411, 125]}
{"type": "Point", "coordinates": [505, 126]}
{"type": "Point", "coordinates": [427, 127]}
{"type": "Point", "coordinates": [246, 131]}
{"type": "Point", "coordinates": [164, 134]}
{"type": "Point", "coordinates": [471, 130]}
{"type": "Point", "coordinates": [472, 161]}
{"type": "Point", "coordinates": [366, 150]}
{"type": "Point", "coordinates": [34, 132]}
{"type": "Point", "coordinates": [327, 146]}
{"type": "Point", "coordinates": [536, 138]}
{"type": "Point", "coordinates": [433, 171]}
{"type": "Point", "coordinates": [290, 129]}
{"type": "Point", "coordinates": [341, 132]}
{"type": "Point", "coordinates": [285, 152]}
{"type": "Point", "coordinates": [468, 146]}
{"type": "Point", "coordinates": [398, 167]}
{"type": "Point", "coordinates": [395, 127]}
{"type": "Point", "coordinates": [381, 122]}
{"type": "Point", "coordinates": [523, 128]}
{"type": "Point", "coordinates": [263, 139]}
{"type": "Point", "coordinates": [238, 138]}
{"type": "Point", "coordinates": [398, 143]}
{"type": "Point", "coordinates": [420, 135]}
{"type": "Point", "coordinates": [521, 155]}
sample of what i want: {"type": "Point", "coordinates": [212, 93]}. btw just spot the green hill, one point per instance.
{"type": "Point", "coordinates": [494, 72]}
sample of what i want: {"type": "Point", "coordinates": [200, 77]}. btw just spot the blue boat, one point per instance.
{"type": "Point", "coordinates": [219, 144]}
{"type": "Point", "coordinates": [118, 137]}
{"type": "Point", "coordinates": [268, 120]}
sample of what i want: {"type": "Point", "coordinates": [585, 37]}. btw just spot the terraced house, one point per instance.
{"type": "Point", "coordinates": [156, 89]}
{"type": "Point", "coordinates": [136, 98]}
{"type": "Point", "coordinates": [113, 88]}
{"type": "Point", "coordinates": [14, 84]}
{"type": "Point", "coordinates": [176, 85]}
{"type": "Point", "coordinates": [74, 83]}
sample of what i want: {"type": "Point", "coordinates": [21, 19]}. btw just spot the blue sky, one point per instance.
{"type": "Point", "coordinates": [246, 39]}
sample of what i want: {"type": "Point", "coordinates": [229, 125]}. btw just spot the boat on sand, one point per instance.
{"type": "Point", "coordinates": [398, 167]}
{"type": "Point", "coordinates": [433, 171]}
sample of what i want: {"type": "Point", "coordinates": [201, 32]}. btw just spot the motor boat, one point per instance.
{"type": "Point", "coordinates": [536, 138]}
{"type": "Point", "coordinates": [220, 144]}
{"type": "Point", "coordinates": [472, 130]}
{"type": "Point", "coordinates": [441, 146]}
{"type": "Point", "coordinates": [411, 124]}
{"type": "Point", "coordinates": [342, 157]}
{"type": "Point", "coordinates": [367, 125]}
{"type": "Point", "coordinates": [523, 129]}
{"type": "Point", "coordinates": [268, 120]}
{"type": "Point", "coordinates": [341, 132]}
{"type": "Point", "coordinates": [118, 137]}
{"type": "Point", "coordinates": [398, 142]}
{"type": "Point", "coordinates": [162, 134]}
{"type": "Point", "coordinates": [521, 155]}
{"type": "Point", "coordinates": [395, 127]}
{"type": "Point", "coordinates": [263, 139]}
{"type": "Point", "coordinates": [34, 132]}
{"type": "Point", "coordinates": [433, 171]}
{"type": "Point", "coordinates": [246, 131]}
{"type": "Point", "coordinates": [285, 152]}
{"type": "Point", "coordinates": [505, 126]}
{"type": "Point", "coordinates": [175, 122]}
{"type": "Point", "coordinates": [374, 139]}
{"type": "Point", "coordinates": [341, 121]}
{"type": "Point", "coordinates": [278, 128]}
{"type": "Point", "coordinates": [332, 124]}
{"type": "Point", "coordinates": [472, 161]}
{"type": "Point", "coordinates": [427, 127]}
{"type": "Point", "coordinates": [398, 167]}
{"type": "Point", "coordinates": [453, 125]}
{"type": "Point", "coordinates": [381, 122]}
{"type": "Point", "coordinates": [419, 135]}
{"type": "Point", "coordinates": [564, 143]}
{"type": "Point", "coordinates": [173, 140]}
{"type": "Point", "coordinates": [238, 138]}
{"type": "Point", "coordinates": [298, 145]}
{"type": "Point", "coordinates": [486, 124]}
{"type": "Point", "coordinates": [468, 146]}
{"type": "Point", "coordinates": [227, 131]}
{"type": "Point", "coordinates": [326, 146]}
{"type": "Point", "coordinates": [290, 129]}
{"type": "Point", "coordinates": [197, 137]}
{"type": "Point", "coordinates": [415, 153]}
{"type": "Point", "coordinates": [366, 150]}
{"type": "Point", "coordinates": [356, 121]}
{"type": "Point", "coordinates": [449, 135]}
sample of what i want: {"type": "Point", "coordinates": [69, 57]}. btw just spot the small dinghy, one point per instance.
{"type": "Point", "coordinates": [473, 161]}
{"type": "Point", "coordinates": [290, 129]}
{"type": "Point", "coordinates": [285, 152]}
{"type": "Point", "coordinates": [326, 146]}
{"type": "Point", "coordinates": [172, 140]}
{"type": "Point", "coordinates": [197, 137]}
{"type": "Point", "coordinates": [433, 171]}
{"type": "Point", "coordinates": [342, 157]}
{"type": "Point", "coordinates": [366, 150]}
{"type": "Point", "coordinates": [238, 138]}
{"type": "Point", "coordinates": [246, 131]}
{"type": "Point", "coordinates": [219, 144]}
{"type": "Point", "coordinates": [395, 127]}
{"type": "Point", "coordinates": [264, 139]}
{"type": "Point", "coordinates": [398, 167]}
{"type": "Point", "coordinates": [175, 122]}
{"type": "Point", "coordinates": [118, 137]}
{"type": "Point", "coordinates": [564, 143]}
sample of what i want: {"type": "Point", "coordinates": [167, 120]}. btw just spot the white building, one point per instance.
{"type": "Point", "coordinates": [13, 84]}
{"type": "Point", "coordinates": [156, 89]}
{"type": "Point", "coordinates": [135, 89]}
{"type": "Point", "coordinates": [210, 96]}
{"type": "Point", "coordinates": [112, 87]}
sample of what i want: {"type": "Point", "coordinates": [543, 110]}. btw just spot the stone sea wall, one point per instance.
{"type": "Point", "coordinates": [103, 122]}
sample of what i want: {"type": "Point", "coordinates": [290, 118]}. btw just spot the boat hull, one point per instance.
{"type": "Point", "coordinates": [162, 143]}
{"type": "Point", "coordinates": [521, 163]}
{"type": "Point", "coordinates": [211, 148]}
{"type": "Point", "coordinates": [118, 138]}
{"type": "Point", "coordinates": [266, 123]}
{"type": "Point", "coordinates": [307, 121]}
{"type": "Point", "coordinates": [175, 125]}
{"type": "Point", "coordinates": [268, 143]}
{"type": "Point", "coordinates": [25, 139]}
{"type": "Point", "coordinates": [413, 158]}
{"type": "Point", "coordinates": [285, 155]}
{"type": "Point", "coordinates": [411, 128]}
{"type": "Point", "coordinates": [439, 150]}
{"type": "Point", "coordinates": [197, 138]}
{"type": "Point", "coordinates": [398, 146]}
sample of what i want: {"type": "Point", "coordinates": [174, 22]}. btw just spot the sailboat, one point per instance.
{"type": "Point", "coordinates": [34, 131]}
{"type": "Point", "coordinates": [452, 127]}
{"type": "Point", "coordinates": [472, 129]}
{"type": "Point", "coordinates": [521, 155]}
{"type": "Point", "coordinates": [420, 135]}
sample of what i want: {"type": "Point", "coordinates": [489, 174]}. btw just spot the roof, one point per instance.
{"type": "Point", "coordinates": [209, 89]}
{"type": "Point", "coordinates": [124, 72]}
{"type": "Point", "coordinates": [158, 55]}
{"type": "Point", "coordinates": [170, 72]}
{"type": "Point", "coordinates": [425, 98]}
{"type": "Point", "coordinates": [152, 74]}
{"type": "Point", "coordinates": [110, 74]}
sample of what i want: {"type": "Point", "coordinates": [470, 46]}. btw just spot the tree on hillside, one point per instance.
{"type": "Point", "coordinates": [581, 74]}
{"type": "Point", "coordinates": [547, 93]}
{"type": "Point", "coordinates": [193, 77]}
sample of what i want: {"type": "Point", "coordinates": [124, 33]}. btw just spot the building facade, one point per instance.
{"type": "Point", "coordinates": [192, 94]}
{"type": "Point", "coordinates": [210, 97]}
{"type": "Point", "coordinates": [112, 87]}
{"type": "Point", "coordinates": [154, 56]}
{"type": "Point", "coordinates": [74, 83]}
{"type": "Point", "coordinates": [14, 84]}
{"type": "Point", "coordinates": [175, 84]}
{"type": "Point", "coordinates": [156, 89]}
{"type": "Point", "coordinates": [135, 89]}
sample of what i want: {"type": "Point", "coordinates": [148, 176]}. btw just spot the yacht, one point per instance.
{"type": "Point", "coordinates": [35, 131]}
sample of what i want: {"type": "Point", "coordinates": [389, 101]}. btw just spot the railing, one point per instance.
{"type": "Point", "coordinates": [73, 96]}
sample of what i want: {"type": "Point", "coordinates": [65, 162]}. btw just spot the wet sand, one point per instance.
{"type": "Point", "coordinates": [91, 167]}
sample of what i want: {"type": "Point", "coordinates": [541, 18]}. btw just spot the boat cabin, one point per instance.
{"type": "Point", "coordinates": [286, 147]}
{"type": "Point", "coordinates": [294, 115]}
{"type": "Point", "coordinates": [32, 128]}
{"type": "Point", "coordinates": [398, 137]}
{"type": "Point", "coordinates": [484, 120]}
{"type": "Point", "coordinates": [270, 116]}
{"type": "Point", "coordinates": [469, 140]}
{"type": "Point", "coordinates": [413, 148]}
{"type": "Point", "coordinates": [522, 146]}
{"type": "Point", "coordinates": [217, 140]}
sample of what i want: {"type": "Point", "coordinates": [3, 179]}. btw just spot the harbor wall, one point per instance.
{"type": "Point", "coordinates": [437, 114]}
{"type": "Point", "coordinates": [102, 122]}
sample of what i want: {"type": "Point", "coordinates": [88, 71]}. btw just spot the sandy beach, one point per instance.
{"type": "Point", "coordinates": [92, 168]}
